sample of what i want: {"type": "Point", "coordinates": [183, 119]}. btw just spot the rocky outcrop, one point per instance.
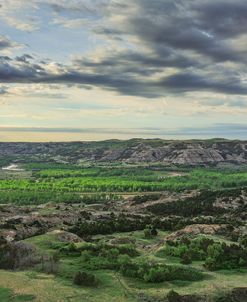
{"type": "Point", "coordinates": [198, 229]}
{"type": "Point", "coordinates": [17, 225]}
{"type": "Point", "coordinates": [66, 237]}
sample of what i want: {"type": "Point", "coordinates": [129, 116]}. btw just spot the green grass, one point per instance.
{"type": "Point", "coordinates": [6, 295]}
{"type": "Point", "coordinates": [113, 287]}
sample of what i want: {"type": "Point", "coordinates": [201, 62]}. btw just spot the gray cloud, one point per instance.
{"type": "Point", "coordinates": [6, 43]}
{"type": "Point", "coordinates": [127, 83]}
{"type": "Point", "coordinates": [195, 82]}
{"type": "Point", "coordinates": [5, 58]}
{"type": "Point", "coordinates": [225, 18]}
{"type": "Point", "coordinates": [193, 38]}
{"type": "Point", "coordinates": [24, 58]}
{"type": "Point", "coordinates": [181, 35]}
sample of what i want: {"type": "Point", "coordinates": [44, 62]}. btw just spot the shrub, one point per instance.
{"type": "Point", "coordinates": [217, 255]}
{"type": "Point", "coordinates": [154, 275]}
{"type": "Point", "coordinates": [85, 279]}
{"type": "Point", "coordinates": [123, 260]}
{"type": "Point", "coordinates": [186, 258]}
{"type": "Point", "coordinates": [150, 231]}
{"type": "Point", "coordinates": [154, 272]}
{"type": "Point", "coordinates": [173, 296]}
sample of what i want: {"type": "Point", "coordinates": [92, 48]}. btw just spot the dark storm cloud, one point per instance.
{"type": "Point", "coordinates": [31, 73]}
{"type": "Point", "coordinates": [138, 62]}
{"type": "Point", "coordinates": [185, 35]}
{"type": "Point", "coordinates": [170, 46]}
{"type": "Point", "coordinates": [225, 18]}
{"type": "Point", "coordinates": [181, 37]}
{"type": "Point", "coordinates": [194, 82]}
{"type": "Point", "coordinates": [127, 84]}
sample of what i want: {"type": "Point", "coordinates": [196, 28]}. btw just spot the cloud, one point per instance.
{"type": "Point", "coordinates": [67, 23]}
{"type": "Point", "coordinates": [6, 43]}
{"type": "Point", "coordinates": [47, 95]}
{"type": "Point", "coordinates": [154, 48]}
{"type": "Point", "coordinates": [224, 18]}
{"type": "Point", "coordinates": [183, 82]}
{"type": "Point", "coordinates": [3, 90]}
{"type": "Point", "coordinates": [24, 58]}
{"type": "Point", "coordinates": [131, 82]}
{"type": "Point", "coordinates": [20, 15]}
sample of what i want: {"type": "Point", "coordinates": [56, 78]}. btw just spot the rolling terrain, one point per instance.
{"type": "Point", "coordinates": [138, 220]}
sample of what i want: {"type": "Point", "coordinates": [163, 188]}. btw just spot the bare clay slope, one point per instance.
{"type": "Point", "coordinates": [192, 152]}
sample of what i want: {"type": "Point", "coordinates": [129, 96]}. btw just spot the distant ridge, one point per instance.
{"type": "Point", "coordinates": [136, 150]}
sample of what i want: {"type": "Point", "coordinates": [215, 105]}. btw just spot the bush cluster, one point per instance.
{"type": "Point", "coordinates": [217, 255]}
{"type": "Point", "coordinates": [85, 279]}
{"type": "Point", "coordinates": [150, 271]}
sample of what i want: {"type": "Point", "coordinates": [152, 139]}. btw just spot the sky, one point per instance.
{"type": "Point", "coordinates": [107, 69]}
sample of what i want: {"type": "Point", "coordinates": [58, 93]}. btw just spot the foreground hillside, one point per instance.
{"type": "Point", "coordinates": [193, 152]}
{"type": "Point", "coordinates": [114, 232]}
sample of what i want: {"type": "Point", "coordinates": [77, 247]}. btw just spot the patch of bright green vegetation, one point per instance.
{"type": "Point", "coordinates": [47, 242]}
{"type": "Point", "coordinates": [96, 172]}
{"type": "Point", "coordinates": [124, 180]}
{"type": "Point", "coordinates": [6, 295]}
